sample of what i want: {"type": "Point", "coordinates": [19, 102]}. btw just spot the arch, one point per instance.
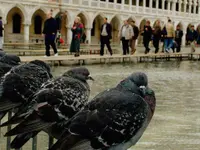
{"type": "Point", "coordinates": [181, 25]}
{"type": "Point", "coordinates": [38, 8]}
{"type": "Point", "coordinates": [154, 24]}
{"type": "Point", "coordinates": [62, 21]}
{"type": "Point", "coordinates": [37, 22]}
{"type": "Point", "coordinates": [84, 18]}
{"type": "Point", "coordinates": [98, 14]}
{"type": "Point", "coordinates": [21, 8]}
{"type": "Point", "coordinates": [116, 24]}
{"type": "Point", "coordinates": [15, 19]}
{"type": "Point", "coordinates": [141, 27]}
{"type": "Point", "coordinates": [96, 28]}
{"type": "Point", "coordinates": [134, 19]}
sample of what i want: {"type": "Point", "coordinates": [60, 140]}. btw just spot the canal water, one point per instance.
{"type": "Point", "coordinates": [176, 122]}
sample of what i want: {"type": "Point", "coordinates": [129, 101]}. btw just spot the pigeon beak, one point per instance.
{"type": "Point", "coordinates": [90, 78]}
{"type": "Point", "coordinates": [143, 89]}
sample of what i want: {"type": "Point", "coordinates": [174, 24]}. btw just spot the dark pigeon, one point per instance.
{"type": "Point", "coordinates": [7, 61]}
{"type": "Point", "coordinates": [114, 120]}
{"type": "Point", "coordinates": [20, 83]}
{"type": "Point", "coordinates": [10, 59]}
{"type": "Point", "coordinates": [58, 99]}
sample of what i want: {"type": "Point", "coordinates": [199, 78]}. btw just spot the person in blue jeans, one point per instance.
{"type": "Point", "coordinates": [49, 33]}
{"type": "Point", "coordinates": [170, 33]}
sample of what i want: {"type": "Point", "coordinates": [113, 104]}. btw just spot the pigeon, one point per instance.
{"type": "Point", "coordinates": [10, 59]}
{"type": "Point", "coordinates": [7, 62]}
{"type": "Point", "coordinates": [57, 100]}
{"type": "Point", "coordinates": [114, 120]}
{"type": "Point", "coordinates": [20, 83]}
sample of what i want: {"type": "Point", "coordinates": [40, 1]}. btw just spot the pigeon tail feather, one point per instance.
{"type": "Point", "coordinates": [30, 124]}
{"type": "Point", "coordinates": [66, 142]}
{"type": "Point", "coordinates": [21, 139]}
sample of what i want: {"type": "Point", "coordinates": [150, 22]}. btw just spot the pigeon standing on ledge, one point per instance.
{"type": "Point", "coordinates": [114, 120]}
{"type": "Point", "coordinates": [20, 83]}
{"type": "Point", "coordinates": [57, 100]}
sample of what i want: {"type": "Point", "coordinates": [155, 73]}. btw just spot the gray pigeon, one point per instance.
{"type": "Point", "coordinates": [114, 120]}
{"type": "Point", "coordinates": [20, 83]}
{"type": "Point", "coordinates": [57, 100]}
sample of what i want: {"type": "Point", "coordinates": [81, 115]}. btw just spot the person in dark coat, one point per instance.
{"type": "Point", "coordinates": [178, 38]}
{"type": "Point", "coordinates": [77, 32]}
{"type": "Point", "coordinates": [157, 36]}
{"type": "Point", "coordinates": [147, 34]}
{"type": "Point", "coordinates": [106, 35]}
{"type": "Point", "coordinates": [1, 34]}
{"type": "Point", "coordinates": [193, 38]}
{"type": "Point", "coordinates": [135, 36]}
{"type": "Point", "coordinates": [49, 32]}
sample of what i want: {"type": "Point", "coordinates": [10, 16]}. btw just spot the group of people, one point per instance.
{"type": "Point", "coordinates": [171, 38]}
{"type": "Point", "coordinates": [50, 31]}
{"type": "Point", "coordinates": [128, 34]}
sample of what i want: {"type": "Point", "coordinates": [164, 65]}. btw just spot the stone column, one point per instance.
{"type": "Point", "coordinates": [144, 5]}
{"type": "Point", "coordinates": [26, 33]}
{"type": "Point", "coordinates": [195, 8]}
{"type": "Point", "coordinates": [199, 7]}
{"type": "Point", "coordinates": [185, 6]}
{"type": "Point", "coordinates": [137, 5]}
{"type": "Point", "coordinates": [180, 5]}
{"type": "Point", "coordinates": [69, 35]}
{"type": "Point", "coordinates": [150, 3]}
{"type": "Point", "coordinates": [168, 5]}
{"type": "Point", "coordinates": [130, 5]}
{"type": "Point", "coordinates": [190, 6]}
{"type": "Point", "coordinates": [163, 4]}
{"type": "Point", "coordinates": [122, 5]}
{"type": "Point", "coordinates": [88, 35]}
{"type": "Point", "coordinates": [115, 2]}
{"type": "Point", "coordinates": [174, 6]}
{"type": "Point", "coordinates": [184, 37]}
{"type": "Point", "coordinates": [157, 4]}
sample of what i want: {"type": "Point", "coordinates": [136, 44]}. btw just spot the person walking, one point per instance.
{"type": "Point", "coordinates": [1, 34]}
{"type": "Point", "coordinates": [193, 38]}
{"type": "Point", "coordinates": [157, 36]}
{"type": "Point", "coordinates": [49, 33]}
{"type": "Point", "coordinates": [125, 34]}
{"type": "Point", "coordinates": [105, 37]}
{"type": "Point", "coordinates": [178, 38]}
{"type": "Point", "coordinates": [135, 36]}
{"type": "Point", "coordinates": [169, 37]}
{"type": "Point", "coordinates": [77, 32]}
{"type": "Point", "coordinates": [147, 34]}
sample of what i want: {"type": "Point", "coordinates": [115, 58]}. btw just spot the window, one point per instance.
{"type": "Point", "coordinates": [16, 23]}
{"type": "Point", "coordinates": [38, 25]}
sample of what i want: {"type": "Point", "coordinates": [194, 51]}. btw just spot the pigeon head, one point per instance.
{"type": "Point", "coordinates": [43, 65]}
{"type": "Point", "coordinates": [80, 73]}
{"type": "Point", "coordinates": [135, 83]}
{"type": "Point", "coordinates": [150, 98]}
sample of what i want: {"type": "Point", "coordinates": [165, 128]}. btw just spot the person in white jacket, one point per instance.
{"type": "Point", "coordinates": [126, 33]}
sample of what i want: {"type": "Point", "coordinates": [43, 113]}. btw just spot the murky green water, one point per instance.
{"type": "Point", "coordinates": [176, 123]}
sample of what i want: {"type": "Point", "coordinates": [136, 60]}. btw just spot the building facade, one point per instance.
{"type": "Point", "coordinates": [23, 19]}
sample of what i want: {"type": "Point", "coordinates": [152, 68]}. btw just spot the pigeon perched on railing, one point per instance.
{"type": "Point", "coordinates": [20, 83]}
{"type": "Point", "coordinates": [57, 100]}
{"type": "Point", "coordinates": [7, 61]}
{"type": "Point", "coordinates": [114, 120]}
{"type": "Point", "coordinates": [10, 59]}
